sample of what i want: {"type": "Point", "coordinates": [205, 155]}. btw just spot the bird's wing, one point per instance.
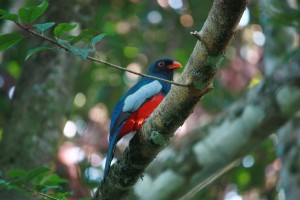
{"type": "Point", "coordinates": [138, 95]}
{"type": "Point", "coordinates": [133, 101]}
{"type": "Point", "coordinates": [130, 103]}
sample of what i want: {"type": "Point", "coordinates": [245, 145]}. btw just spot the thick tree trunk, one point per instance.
{"type": "Point", "coordinates": [42, 99]}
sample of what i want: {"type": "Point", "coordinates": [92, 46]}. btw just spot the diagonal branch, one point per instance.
{"type": "Point", "coordinates": [216, 34]}
{"type": "Point", "coordinates": [230, 136]}
{"type": "Point", "coordinates": [98, 60]}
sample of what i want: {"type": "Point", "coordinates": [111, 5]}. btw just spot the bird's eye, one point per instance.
{"type": "Point", "coordinates": [161, 64]}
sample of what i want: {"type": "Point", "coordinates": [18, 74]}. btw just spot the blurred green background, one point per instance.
{"type": "Point", "coordinates": [138, 32]}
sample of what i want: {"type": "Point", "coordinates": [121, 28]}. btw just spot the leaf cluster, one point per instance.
{"type": "Point", "coordinates": [26, 18]}
{"type": "Point", "coordinates": [38, 181]}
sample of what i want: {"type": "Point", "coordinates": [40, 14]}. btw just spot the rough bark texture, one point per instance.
{"type": "Point", "coordinates": [199, 72]}
{"type": "Point", "coordinates": [229, 137]}
{"type": "Point", "coordinates": [181, 169]}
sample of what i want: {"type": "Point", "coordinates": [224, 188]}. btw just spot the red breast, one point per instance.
{"type": "Point", "coordinates": [137, 118]}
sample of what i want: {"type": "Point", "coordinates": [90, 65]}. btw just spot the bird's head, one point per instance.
{"type": "Point", "coordinates": [164, 68]}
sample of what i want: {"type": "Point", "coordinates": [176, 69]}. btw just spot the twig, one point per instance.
{"type": "Point", "coordinates": [38, 193]}
{"type": "Point", "coordinates": [197, 35]}
{"type": "Point", "coordinates": [32, 191]}
{"type": "Point", "coordinates": [99, 60]}
{"type": "Point", "coordinates": [209, 180]}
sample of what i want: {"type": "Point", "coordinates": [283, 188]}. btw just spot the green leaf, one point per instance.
{"type": "Point", "coordinates": [30, 14]}
{"type": "Point", "coordinates": [98, 38]}
{"type": "Point", "coordinates": [76, 51]}
{"type": "Point", "coordinates": [69, 37]}
{"type": "Point", "coordinates": [34, 173]}
{"type": "Point", "coordinates": [8, 40]}
{"type": "Point", "coordinates": [45, 26]}
{"type": "Point", "coordinates": [39, 188]}
{"type": "Point", "coordinates": [35, 51]}
{"type": "Point", "coordinates": [52, 187]}
{"type": "Point", "coordinates": [16, 173]}
{"type": "Point", "coordinates": [53, 179]}
{"type": "Point", "coordinates": [85, 36]}
{"type": "Point", "coordinates": [13, 69]}
{"type": "Point", "coordinates": [8, 16]}
{"type": "Point", "coordinates": [63, 28]}
{"type": "Point", "coordinates": [45, 188]}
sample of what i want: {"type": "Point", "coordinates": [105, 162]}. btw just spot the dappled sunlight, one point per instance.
{"type": "Point", "coordinates": [129, 78]}
{"type": "Point", "coordinates": [136, 33]}
{"type": "Point", "coordinates": [70, 129]}
{"type": "Point", "coordinates": [11, 92]}
{"type": "Point", "coordinates": [245, 18]}
{"type": "Point", "coordinates": [187, 20]}
{"type": "Point", "coordinates": [154, 17]}
{"type": "Point", "coordinates": [99, 113]}
{"type": "Point", "coordinates": [69, 154]}
{"type": "Point", "coordinates": [80, 99]}
{"type": "Point", "coordinates": [175, 4]}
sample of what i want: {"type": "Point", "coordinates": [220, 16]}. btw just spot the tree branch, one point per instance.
{"type": "Point", "coordinates": [35, 193]}
{"type": "Point", "coordinates": [232, 135]}
{"type": "Point", "coordinates": [216, 33]}
{"type": "Point", "coordinates": [99, 60]}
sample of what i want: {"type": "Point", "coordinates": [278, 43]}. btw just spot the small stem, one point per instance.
{"type": "Point", "coordinates": [38, 193]}
{"type": "Point", "coordinates": [99, 60]}
{"type": "Point", "coordinates": [33, 191]}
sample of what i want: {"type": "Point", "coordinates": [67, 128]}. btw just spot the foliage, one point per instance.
{"type": "Point", "coordinates": [28, 15]}
{"type": "Point", "coordinates": [127, 45]}
{"type": "Point", "coordinates": [38, 181]}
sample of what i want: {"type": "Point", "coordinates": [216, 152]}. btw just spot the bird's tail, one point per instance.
{"type": "Point", "coordinates": [109, 157]}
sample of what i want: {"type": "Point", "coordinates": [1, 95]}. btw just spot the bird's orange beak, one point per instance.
{"type": "Point", "coordinates": [175, 65]}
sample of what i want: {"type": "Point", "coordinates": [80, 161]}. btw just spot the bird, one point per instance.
{"type": "Point", "coordinates": [138, 103]}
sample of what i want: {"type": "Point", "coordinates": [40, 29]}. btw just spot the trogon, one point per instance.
{"type": "Point", "coordinates": [138, 103]}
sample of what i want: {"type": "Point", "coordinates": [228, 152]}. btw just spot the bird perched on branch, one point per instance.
{"type": "Point", "coordinates": [138, 103]}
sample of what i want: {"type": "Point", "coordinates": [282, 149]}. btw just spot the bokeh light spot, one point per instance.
{"type": "Point", "coordinates": [93, 174]}
{"type": "Point", "coordinates": [99, 113]}
{"type": "Point", "coordinates": [154, 17]}
{"type": "Point", "coordinates": [248, 161]}
{"type": "Point", "coordinates": [163, 3]}
{"type": "Point", "coordinates": [95, 160]}
{"type": "Point", "coordinates": [130, 51]}
{"type": "Point", "coordinates": [80, 99]}
{"type": "Point", "coordinates": [11, 92]}
{"type": "Point", "coordinates": [175, 4]}
{"type": "Point", "coordinates": [258, 38]}
{"type": "Point", "coordinates": [123, 27]}
{"type": "Point", "coordinates": [70, 129]}
{"type": "Point", "coordinates": [70, 154]}
{"type": "Point", "coordinates": [244, 178]}
{"type": "Point", "coordinates": [186, 20]}
{"type": "Point", "coordinates": [245, 18]}
{"type": "Point", "coordinates": [233, 195]}
{"type": "Point", "coordinates": [132, 78]}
